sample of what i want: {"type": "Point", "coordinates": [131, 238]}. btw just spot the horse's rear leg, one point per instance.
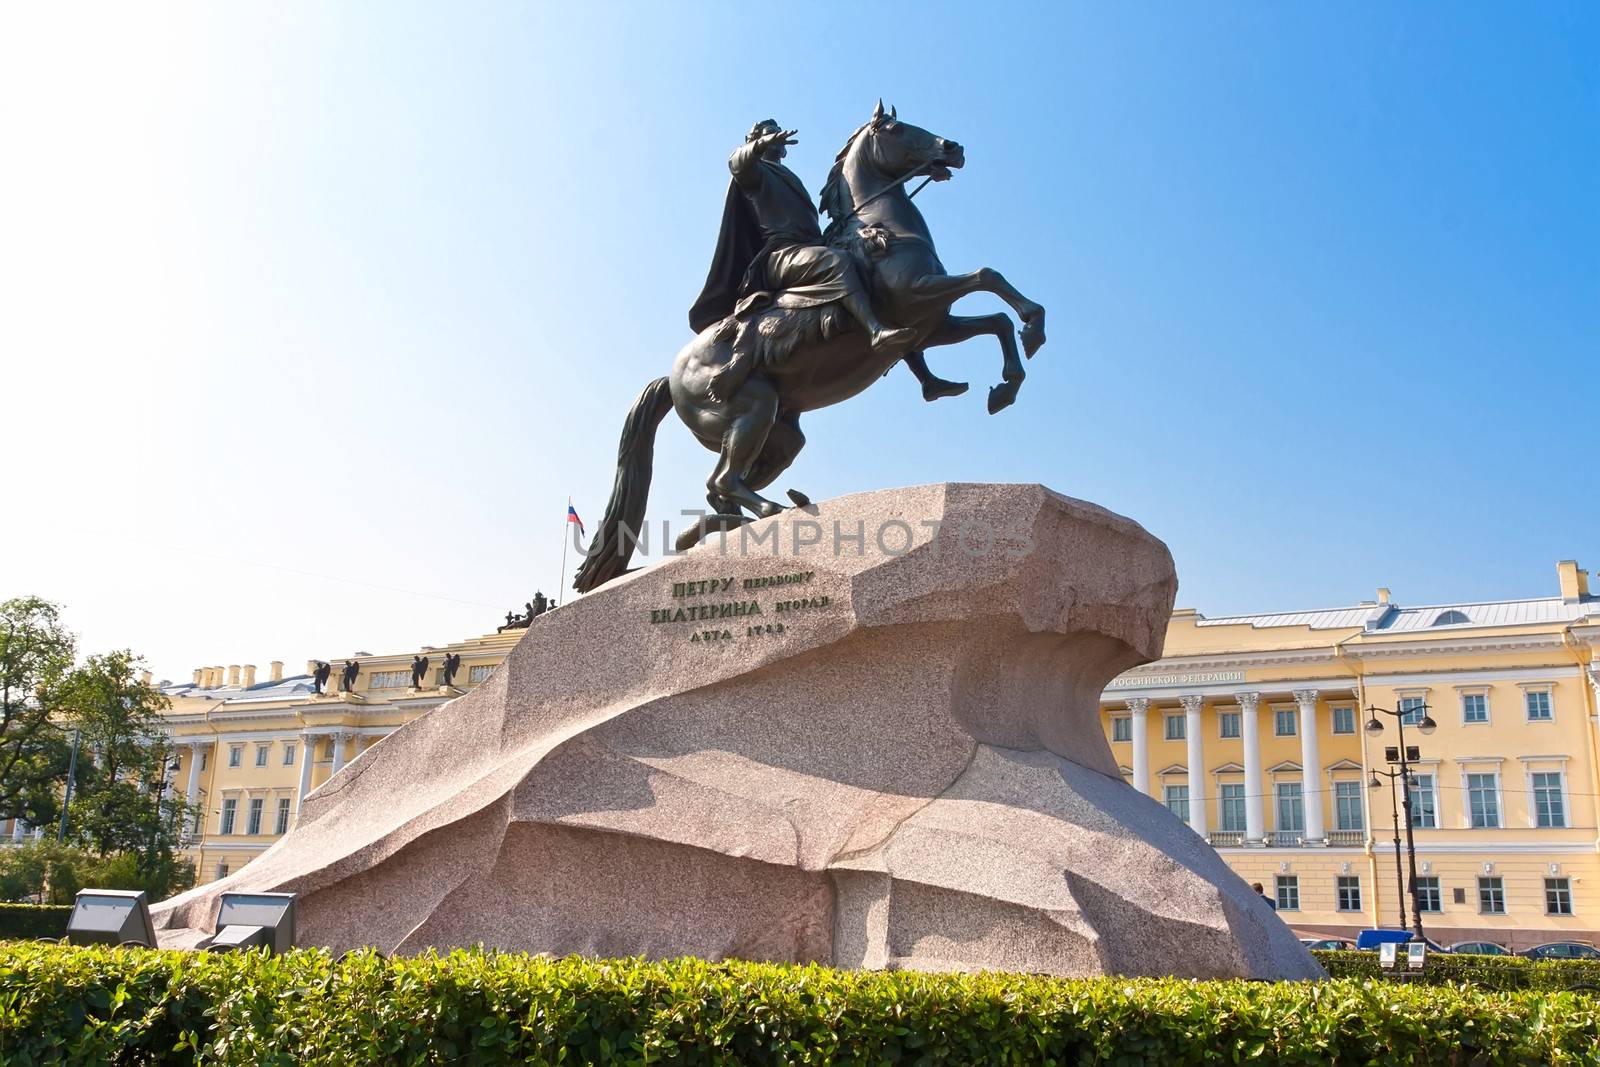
{"type": "Point", "coordinates": [958, 328]}
{"type": "Point", "coordinates": [750, 421]}
{"type": "Point", "coordinates": [784, 443]}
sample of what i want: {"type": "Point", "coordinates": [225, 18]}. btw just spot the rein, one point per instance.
{"type": "Point", "coordinates": [888, 189]}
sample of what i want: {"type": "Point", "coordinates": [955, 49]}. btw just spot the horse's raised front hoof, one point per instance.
{"type": "Point", "coordinates": [1003, 395]}
{"type": "Point", "coordinates": [1033, 333]}
{"type": "Point", "coordinates": [799, 498]}
{"type": "Point", "coordinates": [938, 389]}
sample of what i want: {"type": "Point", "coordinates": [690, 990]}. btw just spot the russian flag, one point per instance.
{"type": "Point", "coordinates": [572, 516]}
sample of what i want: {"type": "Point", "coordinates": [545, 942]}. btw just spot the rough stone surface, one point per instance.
{"type": "Point", "coordinates": [910, 775]}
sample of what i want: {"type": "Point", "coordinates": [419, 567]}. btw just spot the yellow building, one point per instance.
{"type": "Point", "coordinates": [1505, 809]}
{"type": "Point", "coordinates": [249, 751]}
{"type": "Point", "coordinates": [1271, 711]}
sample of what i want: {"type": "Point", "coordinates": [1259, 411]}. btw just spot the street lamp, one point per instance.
{"type": "Point", "coordinates": [1394, 812]}
{"type": "Point", "coordinates": [1404, 756]}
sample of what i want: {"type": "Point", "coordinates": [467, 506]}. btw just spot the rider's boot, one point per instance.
{"type": "Point", "coordinates": [880, 334]}
{"type": "Point", "coordinates": [885, 336]}
{"type": "Point", "coordinates": [933, 386]}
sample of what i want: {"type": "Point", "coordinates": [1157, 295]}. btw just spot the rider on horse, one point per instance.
{"type": "Point", "coordinates": [770, 253]}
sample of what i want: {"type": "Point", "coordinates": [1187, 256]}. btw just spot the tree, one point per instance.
{"type": "Point", "coordinates": [36, 654]}
{"type": "Point", "coordinates": [121, 803]}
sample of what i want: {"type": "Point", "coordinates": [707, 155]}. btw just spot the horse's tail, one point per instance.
{"type": "Point", "coordinates": [616, 536]}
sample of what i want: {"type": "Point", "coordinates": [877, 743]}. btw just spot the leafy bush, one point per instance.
{"type": "Point", "coordinates": [92, 1005]}
{"type": "Point", "coordinates": [1484, 972]}
{"type": "Point", "coordinates": [33, 920]}
{"type": "Point", "coordinates": [55, 873]}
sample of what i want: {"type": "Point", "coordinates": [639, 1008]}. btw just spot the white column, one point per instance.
{"type": "Point", "coordinates": [308, 753]}
{"type": "Point", "coordinates": [1311, 760]}
{"type": "Point", "coordinates": [1140, 708]}
{"type": "Point", "coordinates": [1255, 820]}
{"type": "Point", "coordinates": [18, 828]}
{"type": "Point", "coordinates": [193, 789]}
{"type": "Point", "coordinates": [339, 740]}
{"type": "Point", "coordinates": [1197, 764]}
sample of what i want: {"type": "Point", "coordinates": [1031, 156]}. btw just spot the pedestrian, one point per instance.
{"type": "Point", "coordinates": [1262, 893]}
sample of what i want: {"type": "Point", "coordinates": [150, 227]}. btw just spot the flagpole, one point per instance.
{"type": "Point", "coordinates": [566, 521]}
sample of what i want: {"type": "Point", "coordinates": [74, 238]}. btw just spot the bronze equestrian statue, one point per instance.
{"type": "Point", "coordinates": [762, 355]}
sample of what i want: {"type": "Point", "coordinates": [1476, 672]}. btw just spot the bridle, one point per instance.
{"type": "Point", "coordinates": [890, 188]}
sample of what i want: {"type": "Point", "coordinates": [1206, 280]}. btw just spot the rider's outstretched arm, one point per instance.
{"type": "Point", "coordinates": [743, 164]}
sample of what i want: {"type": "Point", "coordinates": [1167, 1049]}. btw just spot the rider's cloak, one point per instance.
{"type": "Point", "coordinates": [738, 243]}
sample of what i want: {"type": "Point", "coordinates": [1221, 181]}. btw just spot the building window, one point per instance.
{"type": "Point", "coordinates": [222, 871]}
{"type": "Point", "coordinates": [1412, 709]}
{"type": "Point", "coordinates": [1483, 799]}
{"type": "Point", "coordinates": [327, 749]}
{"type": "Point", "coordinates": [230, 808]}
{"type": "Point", "coordinates": [1474, 707]}
{"type": "Point", "coordinates": [1538, 702]}
{"type": "Point", "coordinates": [1228, 724]}
{"type": "Point", "coordinates": [288, 753]}
{"type": "Point", "coordinates": [1557, 896]}
{"type": "Point", "coordinates": [1121, 728]}
{"type": "Point", "coordinates": [1424, 805]}
{"type": "Point", "coordinates": [479, 673]}
{"type": "Point", "coordinates": [261, 755]}
{"type": "Point", "coordinates": [235, 755]}
{"type": "Point", "coordinates": [1175, 731]}
{"type": "Point", "coordinates": [1232, 804]}
{"type": "Point", "coordinates": [252, 823]}
{"type": "Point", "coordinates": [1549, 809]}
{"type": "Point", "coordinates": [283, 816]}
{"type": "Point", "coordinates": [205, 759]}
{"type": "Point", "coordinates": [1283, 722]}
{"type": "Point", "coordinates": [1288, 892]}
{"type": "Point", "coordinates": [1291, 807]}
{"type": "Point", "coordinates": [1344, 720]}
{"type": "Point", "coordinates": [1428, 898]}
{"type": "Point", "coordinates": [1177, 800]}
{"type": "Point", "coordinates": [1348, 811]}
{"type": "Point", "coordinates": [389, 680]}
{"type": "Point", "coordinates": [1492, 895]}
{"type": "Point", "coordinates": [1349, 892]}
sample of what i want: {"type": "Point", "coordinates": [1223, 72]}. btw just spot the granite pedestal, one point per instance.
{"type": "Point", "coordinates": [865, 734]}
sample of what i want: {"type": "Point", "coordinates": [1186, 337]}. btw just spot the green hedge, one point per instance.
{"type": "Point", "coordinates": [34, 920]}
{"type": "Point", "coordinates": [1485, 972]}
{"type": "Point", "coordinates": [98, 1005]}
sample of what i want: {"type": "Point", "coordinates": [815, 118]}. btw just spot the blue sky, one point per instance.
{"type": "Point", "coordinates": [314, 315]}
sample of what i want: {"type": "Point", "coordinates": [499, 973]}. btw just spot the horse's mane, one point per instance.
{"type": "Point", "coordinates": [833, 191]}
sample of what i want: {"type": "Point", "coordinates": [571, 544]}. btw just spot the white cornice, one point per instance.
{"type": "Point", "coordinates": [223, 843]}
{"type": "Point", "coordinates": [1284, 851]}
{"type": "Point", "coordinates": [1470, 677]}
{"type": "Point", "coordinates": [1208, 661]}
{"type": "Point", "coordinates": [1461, 646]}
{"type": "Point", "coordinates": [1493, 847]}
{"type": "Point", "coordinates": [244, 737]}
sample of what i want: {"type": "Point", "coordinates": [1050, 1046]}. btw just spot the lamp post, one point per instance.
{"type": "Point", "coordinates": [72, 777]}
{"type": "Point", "coordinates": [1394, 812]}
{"type": "Point", "coordinates": [1424, 726]}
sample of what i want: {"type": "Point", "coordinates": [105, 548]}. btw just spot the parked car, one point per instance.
{"type": "Point", "coordinates": [1326, 942]}
{"type": "Point", "coordinates": [1371, 939]}
{"type": "Point", "coordinates": [1480, 948]}
{"type": "Point", "coordinates": [1562, 950]}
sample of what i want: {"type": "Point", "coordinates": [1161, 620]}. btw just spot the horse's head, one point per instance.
{"type": "Point", "coordinates": [898, 148]}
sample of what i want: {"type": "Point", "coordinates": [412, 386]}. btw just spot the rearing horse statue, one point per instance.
{"type": "Point", "coordinates": [809, 358]}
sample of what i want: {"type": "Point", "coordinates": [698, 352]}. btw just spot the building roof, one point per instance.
{"type": "Point", "coordinates": [1392, 618]}
{"type": "Point", "coordinates": [285, 688]}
